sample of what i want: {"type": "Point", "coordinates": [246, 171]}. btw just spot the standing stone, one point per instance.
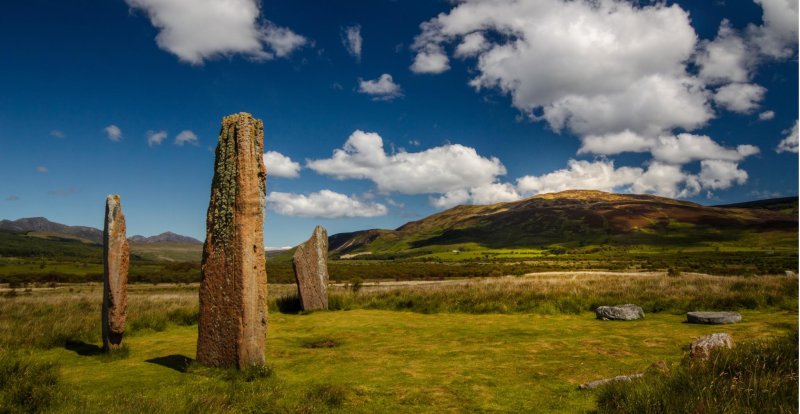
{"type": "Point", "coordinates": [115, 274]}
{"type": "Point", "coordinates": [232, 325]}
{"type": "Point", "coordinates": [310, 264]}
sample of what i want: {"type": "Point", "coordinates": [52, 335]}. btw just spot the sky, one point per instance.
{"type": "Point", "coordinates": [380, 112]}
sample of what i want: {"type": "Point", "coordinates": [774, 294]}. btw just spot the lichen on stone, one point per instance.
{"type": "Point", "coordinates": [224, 183]}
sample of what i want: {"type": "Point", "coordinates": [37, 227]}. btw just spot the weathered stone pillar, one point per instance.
{"type": "Point", "coordinates": [310, 264]}
{"type": "Point", "coordinates": [233, 290]}
{"type": "Point", "coordinates": [115, 274]}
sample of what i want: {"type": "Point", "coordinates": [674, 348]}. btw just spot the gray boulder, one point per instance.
{"type": "Point", "coordinates": [594, 384]}
{"type": "Point", "coordinates": [713, 318]}
{"type": "Point", "coordinates": [626, 312]}
{"type": "Point", "coordinates": [700, 348]}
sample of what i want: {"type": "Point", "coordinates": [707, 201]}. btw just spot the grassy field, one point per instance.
{"type": "Point", "coordinates": [483, 348]}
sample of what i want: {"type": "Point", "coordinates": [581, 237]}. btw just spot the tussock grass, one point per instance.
{"type": "Point", "coordinates": [753, 377]}
{"type": "Point", "coordinates": [489, 347]}
{"type": "Point", "coordinates": [55, 319]}
{"type": "Point", "coordinates": [27, 385]}
{"type": "Point", "coordinates": [573, 294]}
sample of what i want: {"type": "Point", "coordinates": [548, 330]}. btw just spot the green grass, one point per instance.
{"type": "Point", "coordinates": [468, 354]}
{"type": "Point", "coordinates": [755, 377]}
{"type": "Point", "coordinates": [554, 294]}
{"type": "Point", "coordinates": [394, 362]}
{"type": "Point", "coordinates": [27, 384]}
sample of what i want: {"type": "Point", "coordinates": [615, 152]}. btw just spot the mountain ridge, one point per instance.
{"type": "Point", "coordinates": [49, 228]}
{"type": "Point", "coordinates": [574, 217]}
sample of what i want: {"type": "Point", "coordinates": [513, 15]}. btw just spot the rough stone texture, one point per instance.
{"type": "Point", "coordinates": [233, 291]}
{"type": "Point", "coordinates": [594, 384]}
{"type": "Point", "coordinates": [713, 318]}
{"type": "Point", "coordinates": [116, 256]}
{"type": "Point", "coordinates": [311, 270]}
{"type": "Point", "coordinates": [700, 348]}
{"type": "Point", "coordinates": [619, 313]}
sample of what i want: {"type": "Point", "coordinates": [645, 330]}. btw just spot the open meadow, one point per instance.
{"type": "Point", "coordinates": [508, 344]}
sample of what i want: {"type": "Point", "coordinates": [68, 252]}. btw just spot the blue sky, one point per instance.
{"type": "Point", "coordinates": [381, 112]}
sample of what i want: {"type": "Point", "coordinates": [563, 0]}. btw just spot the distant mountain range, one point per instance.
{"type": "Point", "coordinates": [579, 218]}
{"type": "Point", "coordinates": [48, 229]}
{"type": "Point", "coordinates": [569, 219]}
{"type": "Point", "coordinates": [168, 237]}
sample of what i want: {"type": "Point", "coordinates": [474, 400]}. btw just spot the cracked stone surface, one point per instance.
{"type": "Point", "coordinates": [310, 263]}
{"type": "Point", "coordinates": [626, 312]}
{"type": "Point", "coordinates": [700, 348]}
{"type": "Point", "coordinates": [116, 257]}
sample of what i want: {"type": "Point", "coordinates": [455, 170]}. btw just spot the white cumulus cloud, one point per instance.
{"type": "Point", "coordinates": [622, 76]}
{"type": "Point", "coordinates": [720, 174]}
{"type": "Point", "coordinates": [430, 59]}
{"type": "Point", "coordinates": [323, 204]}
{"type": "Point", "coordinates": [197, 30]}
{"type": "Point", "coordinates": [156, 137]}
{"type": "Point", "coordinates": [382, 89]}
{"type": "Point", "coordinates": [674, 149]}
{"type": "Point", "coordinates": [581, 175]}
{"type": "Point", "coordinates": [766, 115]}
{"type": "Point", "coordinates": [743, 98]}
{"type": "Point", "coordinates": [186, 137]}
{"type": "Point", "coordinates": [669, 180]}
{"type": "Point", "coordinates": [790, 143]}
{"type": "Point", "coordinates": [622, 67]}
{"type": "Point", "coordinates": [485, 194]}
{"type": "Point", "coordinates": [113, 132]}
{"type": "Point", "coordinates": [279, 165]}
{"type": "Point", "coordinates": [352, 40]}
{"type": "Point", "coordinates": [777, 36]}
{"type": "Point", "coordinates": [726, 58]}
{"type": "Point", "coordinates": [436, 170]}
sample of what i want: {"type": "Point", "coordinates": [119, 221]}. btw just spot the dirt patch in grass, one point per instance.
{"type": "Point", "coordinates": [325, 343]}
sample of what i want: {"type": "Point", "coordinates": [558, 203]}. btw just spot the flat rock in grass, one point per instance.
{"type": "Point", "coordinates": [713, 318]}
{"type": "Point", "coordinates": [701, 347]}
{"type": "Point", "coordinates": [594, 384]}
{"type": "Point", "coordinates": [626, 312]}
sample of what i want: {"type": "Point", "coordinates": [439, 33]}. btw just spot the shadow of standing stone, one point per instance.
{"type": "Point", "coordinates": [179, 363]}
{"type": "Point", "coordinates": [82, 348]}
{"type": "Point", "coordinates": [310, 264]}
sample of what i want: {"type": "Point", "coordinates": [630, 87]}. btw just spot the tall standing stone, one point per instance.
{"type": "Point", "coordinates": [310, 263]}
{"type": "Point", "coordinates": [115, 274]}
{"type": "Point", "coordinates": [233, 290]}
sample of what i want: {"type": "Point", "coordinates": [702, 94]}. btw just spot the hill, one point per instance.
{"type": "Point", "coordinates": [167, 237]}
{"type": "Point", "coordinates": [786, 205]}
{"type": "Point", "coordinates": [48, 229]}
{"type": "Point", "coordinates": [40, 237]}
{"type": "Point", "coordinates": [577, 218]}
